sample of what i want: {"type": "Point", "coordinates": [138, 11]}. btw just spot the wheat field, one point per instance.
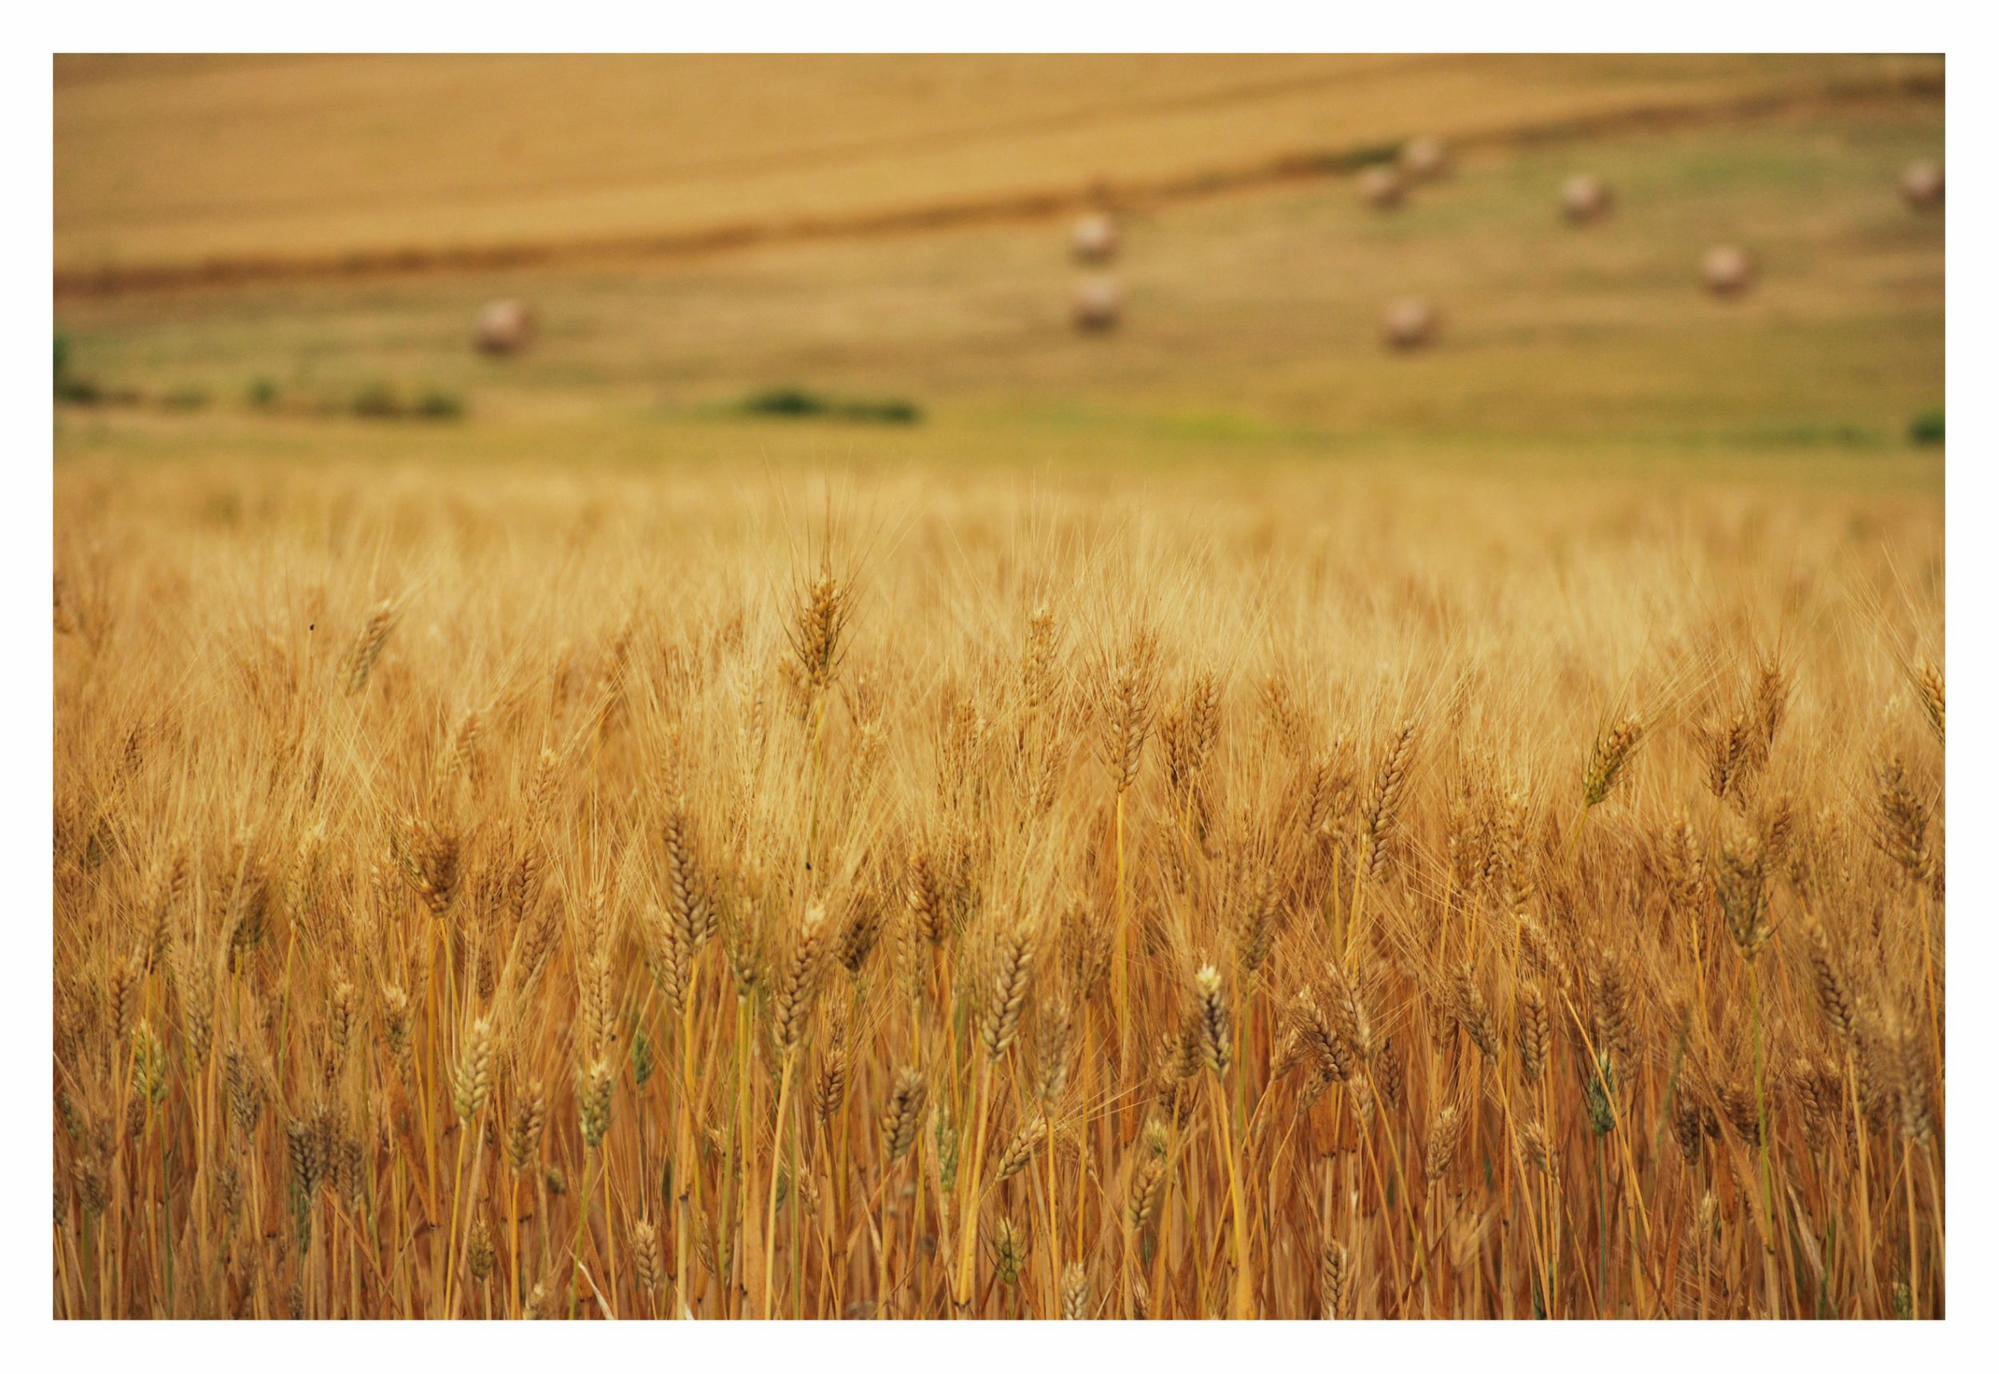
{"type": "Point", "coordinates": [892, 893]}
{"type": "Point", "coordinates": [1213, 820]}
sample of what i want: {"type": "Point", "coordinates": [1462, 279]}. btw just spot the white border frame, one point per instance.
{"type": "Point", "coordinates": [1023, 25]}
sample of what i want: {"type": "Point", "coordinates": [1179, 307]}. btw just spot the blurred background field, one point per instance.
{"type": "Point", "coordinates": [251, 251]}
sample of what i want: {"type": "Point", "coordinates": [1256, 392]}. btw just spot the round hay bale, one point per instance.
{"type": "Point", "coordinates": [1728, 270]}
{"type": "Point", "coordinates": [1381, 186]}
{"type": "Point", "coordinates": [502, 327]}
{"type": "Point", "coordinates": [1410, 323]}
{"type": "Point", "coordinates": [1096, 305]}
{"type": "Point", "coordinates": [1922, 185]}
{"type": "Point", "coordinates": [1424, 159]}
{"type": "Point", "coordinates": [1585, 199]}
{"type": "Point", "coordinates": [1094, 239]}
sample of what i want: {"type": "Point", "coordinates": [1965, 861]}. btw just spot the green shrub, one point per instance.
{"type": "Point", "coordinates": [262, 393]}
{"type": "Point", "coordinates": [440, 405]}
{"type": "Point", "coordinates": [1927, 428]}
{"type": "Point", "coordinates": [791, 403]}
{"type": "Point", "coordinates": [888, 412]}
{"type": "Point", "coordinates": [68, 386]}
{"type": "Point", "coordinates": [380, 401]}
{"type": "Point", "coordinates": [788, 401]}
{"type": "Point", "coordinates": [78, 391]}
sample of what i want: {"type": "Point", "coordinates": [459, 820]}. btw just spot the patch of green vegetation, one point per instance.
{"type": "Point", "coordinates": [68, 386]}
{"type": "Point", "coordinates": [440, 405]}
{"type": "Point", "coordinates": [794, 403]}
{"type": "Point", "coordinates": [78, 391]}
{"type": "Point", "coordinates": [786, 401]}
{"type": "Point", "coordinates": [380, 401]}
{"type": "Point", "coordinates": [73, 388]}
{"type": "Point", "coordinates": [1927, 428]}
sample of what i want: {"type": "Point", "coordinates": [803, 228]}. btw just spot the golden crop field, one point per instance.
{"type": "Point", "coordinates": [1214, 820]}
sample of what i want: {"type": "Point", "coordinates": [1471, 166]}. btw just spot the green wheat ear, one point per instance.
{"type": "Point", "coordinates": [1599, 1094]}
